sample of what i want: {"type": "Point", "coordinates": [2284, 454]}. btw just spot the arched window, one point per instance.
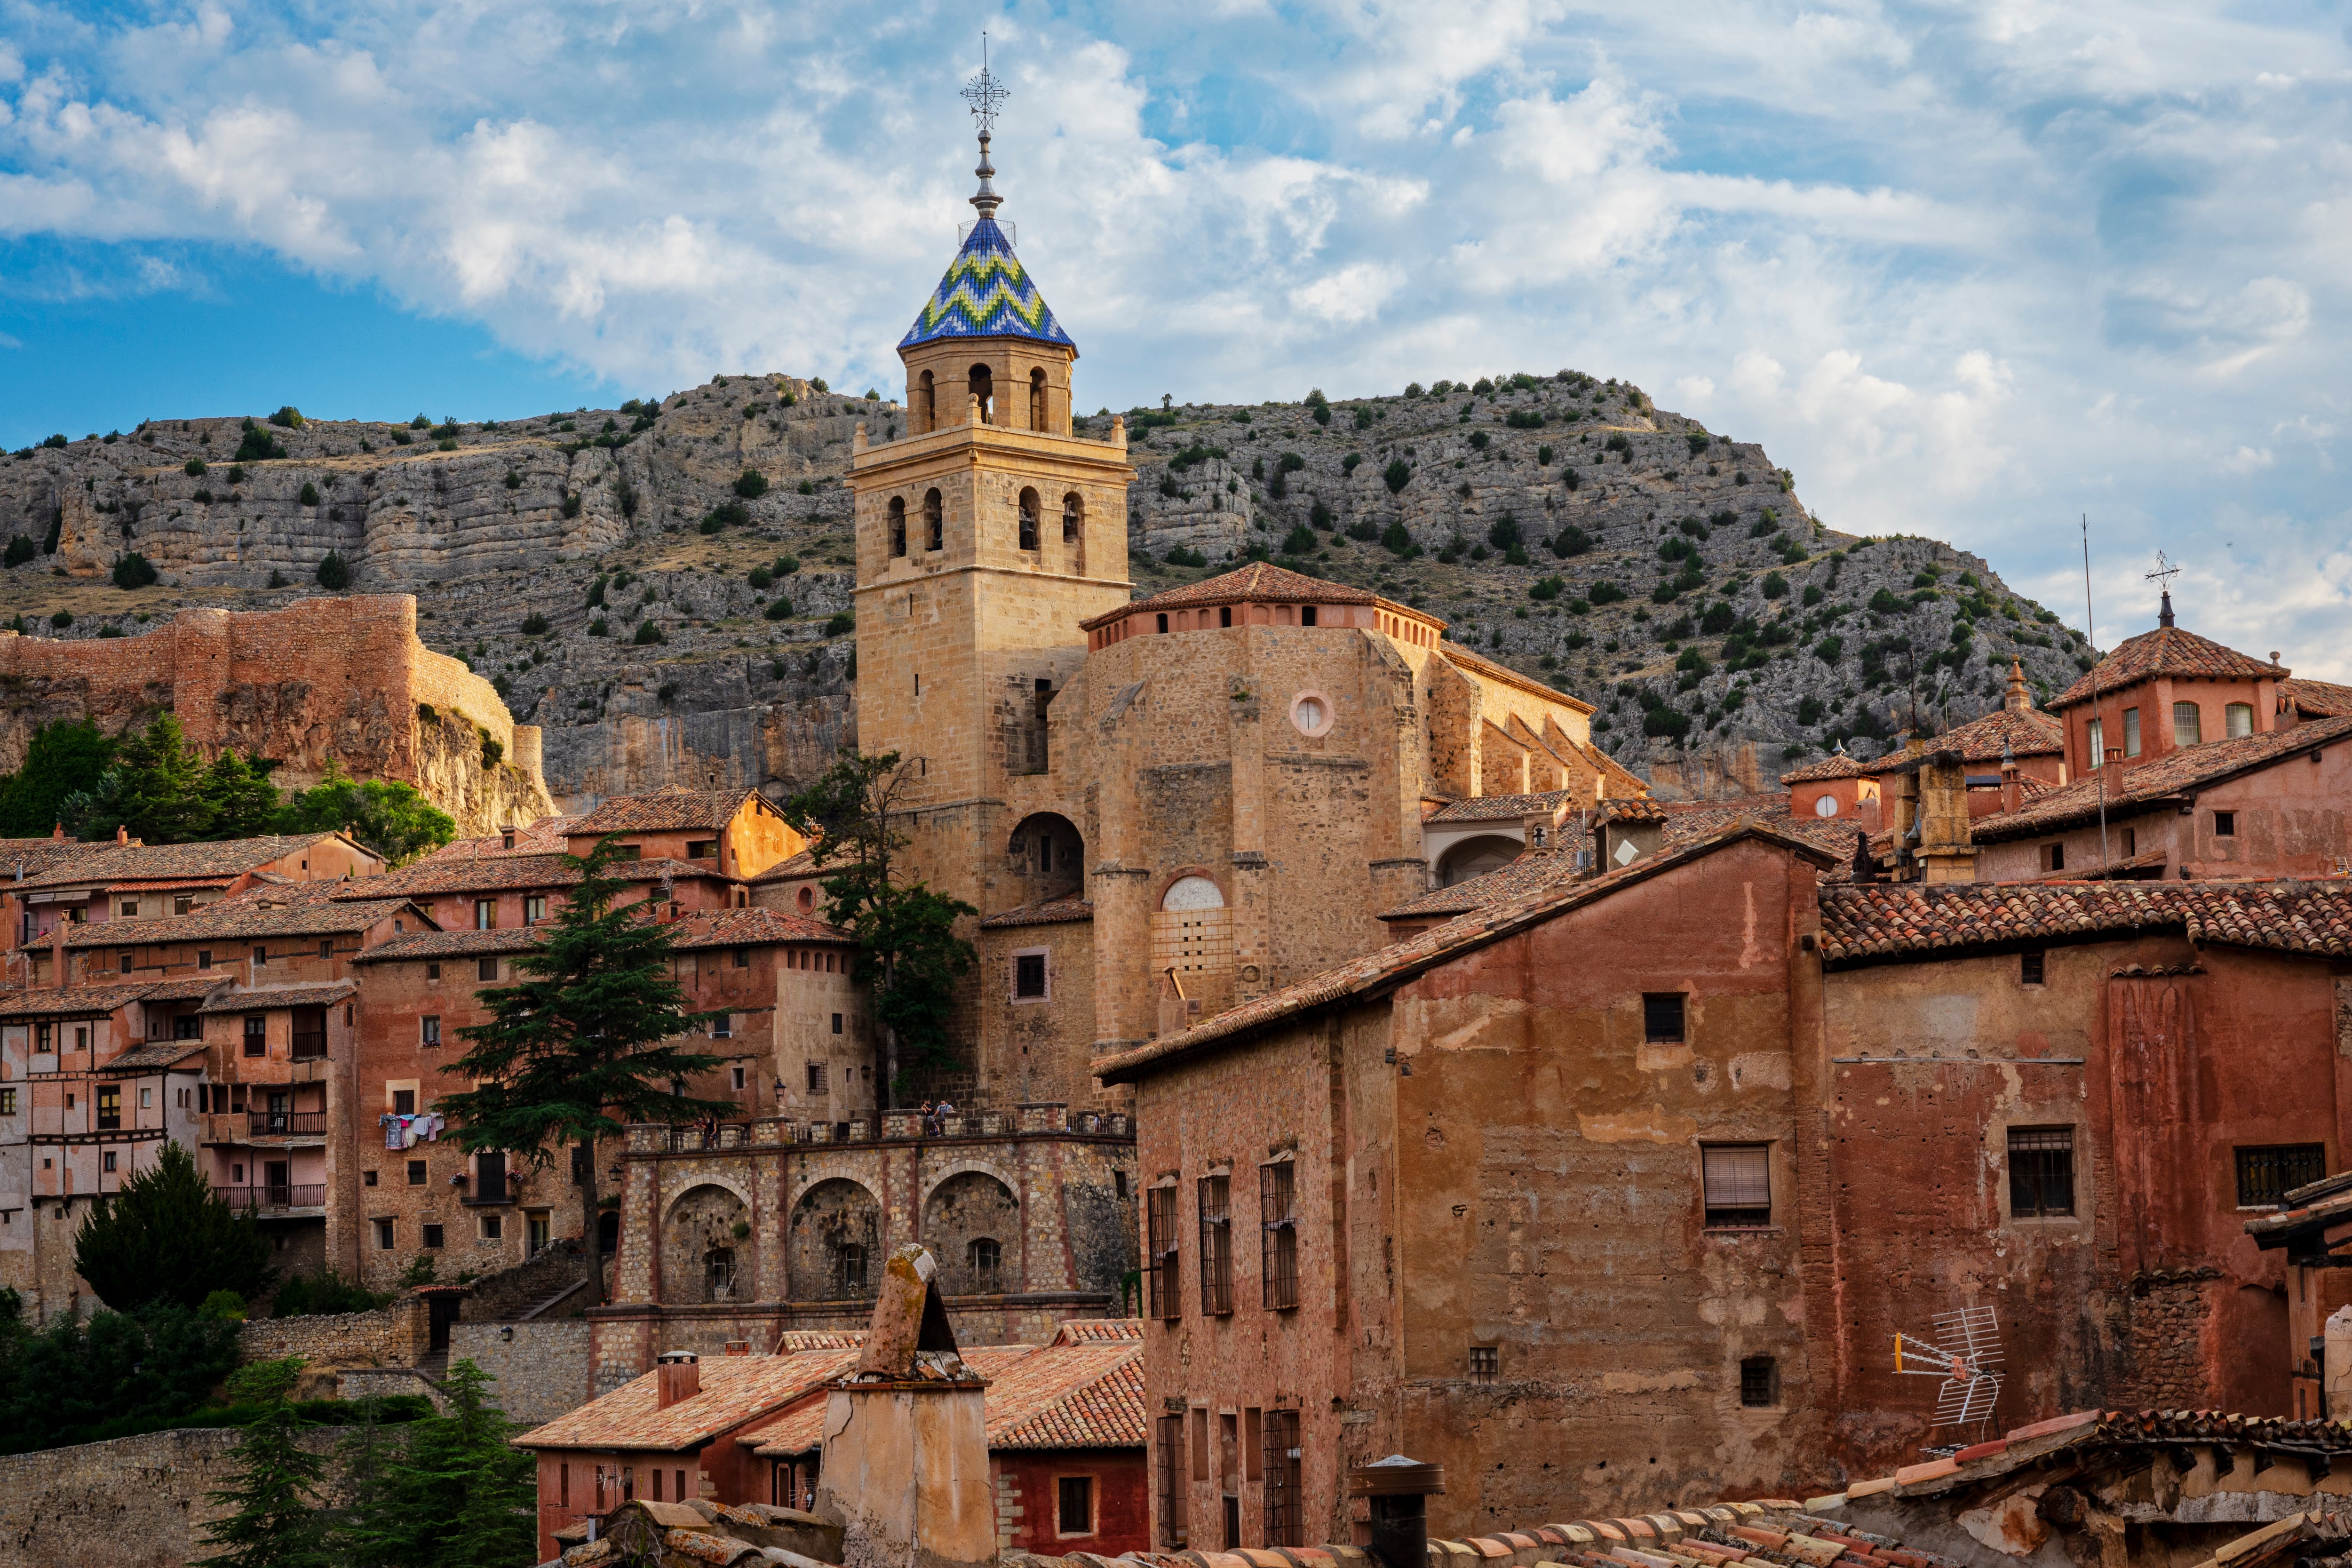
{"type": "Point", "coordinates": [1029, 520]}
{"type": "Point", "coordinates": [807, 899]}
{"type": "Point", "coordinates": [927, 403]}
{"type": "Point", "coordinates": [986, 1257]}
{"type": "Point", "coordinates": [934, 521]}
{"type": "Point", "coordinates": [1073, 517]}
{"type": "Point", "coordinates": [849, 1268]}
{"type": "Point", "coordinates": [1192, 893]}
{"type": "Point", "coordinates": [1036, 400]}
{"type": "Point", "coordinates": [2188, 724]}
{"type": "Point", "coordinates": [897, 525]}
{"type": "Point", "coordinates": [983, 386]}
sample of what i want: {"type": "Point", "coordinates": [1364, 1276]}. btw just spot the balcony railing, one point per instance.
{"type": "Point", "coordinates": [275, 1195]}
{"type": "Point", "coordinates": [285, 1123]}
{"type": "Point", "coordinates": [310, 1046]}
{"type": "Point", "coordinates": [897, 1127]}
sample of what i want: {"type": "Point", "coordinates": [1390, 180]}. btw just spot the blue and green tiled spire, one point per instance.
{"type": "Point", "coordinates": [987, 293]}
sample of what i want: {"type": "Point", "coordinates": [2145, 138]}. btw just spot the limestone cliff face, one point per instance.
{"type": "Point", "coordinates": [453, 767]}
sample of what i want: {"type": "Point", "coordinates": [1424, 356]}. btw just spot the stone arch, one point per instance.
{"type": "Point", "coordinates": [981, 384]}
{"type": "Point", "coordinates": [1192, 890]}
{"type": "Point", "coordinates": [897, 525]}
{"type": "Point", "coordinates": [1030, 518]}
{"type": "Point", "coordinates": [1073, 529]}
{"type": "Point", "coordinates": [1475, 858]}
{"type": "Point", "coordinates": [709, 1251]}
{"type": "Point", "coordinates": [1048, 855]}
{"type": "Point", "coordinates": [836, 1250]}
{"type": "Point", "coordinates": [967, 1207]}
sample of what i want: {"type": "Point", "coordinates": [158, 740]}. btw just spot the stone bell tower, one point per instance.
{"type": "Point", "coordinates": [985, 535]}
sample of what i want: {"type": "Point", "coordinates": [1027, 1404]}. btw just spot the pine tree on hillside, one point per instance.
{"type": "Point", "coordinates": [454, 1493]}
{"type": "Point", "coordinates": [275, 1495]}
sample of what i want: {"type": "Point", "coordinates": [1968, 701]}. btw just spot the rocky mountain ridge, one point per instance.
{"type": "Point", "coordinates": [665, 588]}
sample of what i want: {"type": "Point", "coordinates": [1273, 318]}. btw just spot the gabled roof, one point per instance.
{"type": "Point", "coordinates": [1044, 913]}
{"type": "Point", "coordinates": [226, 859]}
{"type": "Point", "coordinates": [294, 908]}
{"type": "Point", "coordinates": [755, 928]}
{"type": "Point", "coordinates": [2167, 650]}
{"type": "Point", "coordinates": [1259, 583]}
{"type": "Point", "coordinates": [1528, 873]}
{"type": "Point", "coordinates": [1883, 920]}
{"type": "Point", "coordinates": [460, 943]}
{"type": "Point", "coordinates": [666, 811]}
{"type": "Point", "coordinates": [232, 1000]}
{"type": "Point", "coordinates": [155, 1055]}
{"type": "Point", "coordinates": [1377, 974]}
{"type": "Point", "coordinates": [508, 873]}
{"type": "Point", "coordinates": [735, 1389]}
{"type": "Point", "coordinates": [2029, 733]}
{"type": "Point", "coordinates": [1502, 807]}
{"type": "Point", "coordinates": [70, 1001]}
{"type": "Point", "coordinates": [1078, 1395]}
{"type": "Point", "coordinates": [2317, 699]}
{"type": "Point", "coordinates": [986, 293]}
{"type": "Point", "coordinates": [791, 868]}
{"type": "Point", "coordinates": [1836, 765]}
{"type": "Point", "coordinates": [2128, 790]}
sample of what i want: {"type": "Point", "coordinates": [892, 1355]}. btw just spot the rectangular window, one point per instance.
{"type": "Point", "coordinates": [1277, 1208]}
{"type": "Point", "coordinates": [2054, 857]}
{"type": "Point", "coordinates": [125, 961]}
{"type": "Point", "coordinates": [204, 958]}
{"type": "Point", "coordinates": [1662, 1018]}
{"type": "Point", "coordinates": [2268, 1172]}
{"type": "Point", "coordinates": [1028, 975]}
{"type": "Point", "coordinates": [2188, 727]}
{"type": "Point", "coordinates": [742, 958]}
{"type": "Point", "coordinates": [1074, 1505]}
{"type": "Point", "coordinates": [1216, 1247]}
{"type": "Point", "coordinates": [702, 850]}
{"type": "Point", "coordinates": [486, 914]}
{"type": "Point", "coordinates": [1171, 1479]}
{"type": "Point", "coordinates": [2131, 731]}
{"type": "Point", "coordinates": [1160, 1260]}
{"type": "Point", "coordinates": [534, 909]}
{"type": "Point", "coordinates": [183, 904]}
{"type": "Point", "coordinates": [722, 1027]}
{"type": "Point", "coordinates": [1486, 1362]}
{"type": "Point", "coordinates": [109, 1106]}
{"type": "Point", "coordinates": [2239, 719]}
{"type": "Point", "coordinates": [817, 1077]}
{"type": "Point", "coordinates": [130, 909]}
{"type": "Point", "coordinates": [1738, 1178]}
{"type": "Point", "coordinates": [416, 1172]}
{"type": "Point", "coordinates": [257, 1034]}
{"type": "Point", "coordinates": [836, 1023]}
{"type": "Point", "coordinates": [1283, 1514]}
{"type": "Point", "coordinates": [403, 1102]}
{"type": "Point", "coordinates": [2131, 841]}
{"type": "Point", "coordinates": [384, 1235]}
{"type": "Point", "coordinates": [486, 969]}
{"type": "Point", "coordinates": [2040, 1172]}
{"type": "Point", "coordinates": [432, 972]}
{"type": "Point", "coordinates": [367, 1178]}
{"type": "Point", "coordinates": [2225, 824]}
{"type": "Point", "coordinates": [2095, 735]}
{"type": "Point", "coordinates": [1759, 1382]}
{"type": "Point", "coordinates": [7, 1102]}
{"type": "Point", "coordinates": [737, 1074]}
{"type": "Point", "coordinates": [432, 1234]}
{"type": "Point", "coordinates": [108, 1161]}
{"type": "Point", "coordinates": [327, 947]}
{"type": "Point", "coordinates": [2029, 968]}
{"type": "Point", "coordinates": [491, 1228]}
{"type": "Point", "coordinates": [428, 1029]}
{"type": "Point", "coordinates": [260, 957]}
{"type": "Point", "coordinates": [563, 1486]}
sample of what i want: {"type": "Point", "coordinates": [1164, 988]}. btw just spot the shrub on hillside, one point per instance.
{"type": "Point", "coordinates": [334, 573]}
{"type": "Point", "coordinates": [134, 571]}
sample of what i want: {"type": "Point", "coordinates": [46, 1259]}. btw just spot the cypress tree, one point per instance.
{"type": "Point", "coordinates": [274, 1498]}
{"type": "Point", "coordinates": [165, 1237]}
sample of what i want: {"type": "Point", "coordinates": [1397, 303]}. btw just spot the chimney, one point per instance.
{"type": "Point", "coordinates": [677, 1375]}
{"type": "Point", "coordinates": [121, 833]}
{"type": "Point", "coordinates": [2009, 785]}
{"type": "Point", "coordinates": [1948, 850]}
{"type": "Point", "coordinates": [2017, 700]}
{"type": "Point", "coordinates": [2164, 612]}
{"type": "Point", "coordinates": [58, 832]}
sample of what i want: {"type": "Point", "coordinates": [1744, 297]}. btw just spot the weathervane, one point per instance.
{"type": "Point", "coordinates": [2164, 573]}
{"type": "Point", "coordinates": [984, 93]}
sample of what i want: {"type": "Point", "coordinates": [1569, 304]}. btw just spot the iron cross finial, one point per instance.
{"type": "Point", "coordinates": [984, 93]}
{"type": "Point", "coordinates": [2164, 571]}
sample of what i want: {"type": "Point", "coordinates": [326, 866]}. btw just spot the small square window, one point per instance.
{"type": "Point", "coordinates": [1759, 1382]}
{"type": "Point", "coordinates": [384, 1235]}
{"type": "Point", "coordinates": [1738, 1179]}
{"type": "Point", "coordinates": [486, 969]}
{"type": "Point", "coordinates": [491, 1228]}
{"type": "Point", "coordinates": [403, 1102]}
{"type": "Point", "coordinates": [416, 1172]}
{"type": "Point", "coordinates": [2225, 824]}
{"type": "Point", "coordinates": [1029, 975]}
{"type": "Point", "coordinates": [433, 1236]}
{"type": "Point", "coordinates": [2029, 968]}
{"type": "Point", "coordinates": [1662, 1018]}
{"type": "Point", "coordinates": [817, 1077]}
{"type": "Point", "coordinates": [1486, 1362]}
{"type": "Point", "coordinates": [183, 904]}
{"type": "Point", "coordinates": [432, 972]}
{"type": "Point", "coordinates": [2040, 1172]}
{"type": "Point", "coordinates": [131, 908]}
{"type": "Point", "coordinates": [367, 1178]}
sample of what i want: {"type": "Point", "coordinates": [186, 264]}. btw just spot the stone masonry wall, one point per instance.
{"type": "Point", "coordinates": [389, 1336]}
{"type": "Point", "coordinates": [538, 1370]}
{"type": "Point", "coordinates": [133, 1502]}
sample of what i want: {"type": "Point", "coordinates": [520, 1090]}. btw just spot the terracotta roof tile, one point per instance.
{"type": "Point", "coordinates": [755, 928]}
{"type": "Point", "coordinates": [155, 1054]}
{"type": "Point", "coordinates": [147, 862]}
{"type": "Point", "coordinates": [798, 1430]}
{"type": "Point", "coordinates": [497, 873]}
{"type": "Point", "coordinates": [70, 1001]}
{"type": "Point", "coordinates": [735, 1389]}
{"type": "Point", "coordinates": [1503, 808]}
{"type": "Point", "coordinates": [2192, 767]}
{"type": "Point", "coordinates": [2318, 699]}
{"type": "Point", "coordinates": [668, 811]}
{"type": "Point", "coordinates": [460, 943]}
{"type": "Point", "coordinates": [1874, 921]}
{"type": "Point", "coordinates": [790, 868]}
{"type": "Point", "coordinates": [1535, 869]}
{"type": "Point", "coordinates": [1258, 582]}
{"type": "Point", "coordinates": [1099, 1331]}
{"type": "Point", "coordinates": [298, 908]}
{"type": "Point", "coordinates": [2167, 650]}
{"type": "Point", "coordinates": [1085, 1395]}
{"type": "Point", "coordinates": [2029, 733]}
{"type": "Point", "coordinates": [266, 997]}
{"type": "Point", "coordinates": [1044, 913]}
{"type": "Point", "coordinates": [1836, 765]}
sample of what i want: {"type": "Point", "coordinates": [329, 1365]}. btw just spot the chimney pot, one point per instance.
{"type": "Point", "coordinates": [677, 1375]}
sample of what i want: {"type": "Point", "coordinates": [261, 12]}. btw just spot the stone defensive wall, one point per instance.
{"type": "Point", "coordinates": [323, 680]}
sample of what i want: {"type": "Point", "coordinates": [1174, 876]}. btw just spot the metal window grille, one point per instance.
{"type": "Point", "coordinates": [986, 1257]}
{"type": "Point", "coordinates": [1759, 1381]}
{"type": "Point", "coordinates": [1160, 1205]}
{"type": "Point", "coordinates": [852, 1258]}
{"type": "Point", "coordinates": [2265, 1176]}
{"type": "Point", "coordinates": [2029, 968]}
{"type": "Point", "coordinates": [1738, 1179]}
{"type": "Point", "coordinates": [1172, 1480]}
{"type": "Point", "coordinates": [1486, 1362]}
{"type": "Point", "coordinates": [1029, 974]}
{"type": "Point", "coordinates": [1074, 1505]}
{"type": "Point", "coordinates": [1662, 1018]}
{"type": "Point", "coordinates": [2040, 1172]}
{"type": "Point", "coordinates": [1283, 1510]}
{"type": "Point", "coordinates": [1277, 1201]}
{"type": "Point", "coordinates": [1216, 1246]}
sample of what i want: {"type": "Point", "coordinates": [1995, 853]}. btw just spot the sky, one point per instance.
{"type": "Point", "coordinates": [1972, 271]}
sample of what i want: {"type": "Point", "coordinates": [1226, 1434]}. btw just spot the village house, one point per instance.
{"type": "Point", "coordinates": [126, 880]}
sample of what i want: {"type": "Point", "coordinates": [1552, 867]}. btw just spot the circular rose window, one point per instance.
{"type": "Point", "coordinates": [1825, 807]}
{"type": "Point", "coordinates": [1311, 712]}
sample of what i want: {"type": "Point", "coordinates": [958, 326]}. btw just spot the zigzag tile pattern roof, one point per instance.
{"type": "Point", "coordinates": [2032, 733]}
{"type": "Point", "coordinates": [986, 293]}
{"type": "Point", "coordinates": [2128, 789]}
{"type": "Point", "coordinates": [2167, 650]}
{"type": "Point", "coordinates": [1499, 807]}
{"type": "Point", "coordinates": [292, 908]}
{"type": "Point", "coordinates": [1877, 921]}
{"type": "Point", "coordinates": [1836, 765]}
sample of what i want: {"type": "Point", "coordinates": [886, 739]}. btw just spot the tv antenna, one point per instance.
{"type": "Point", "coordinates": [1966, 1355]}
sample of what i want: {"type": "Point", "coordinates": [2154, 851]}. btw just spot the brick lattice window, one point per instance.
{"type": "Point", "coordinates": [1277, 1204]}
{"type": "Point", "coordinates": [2268, 1172]}
{"type": "Point", "coordinates": [1159, 1264]}
{"type": "Point", "coordinates": [1216, 1246]}
{"type": "Point", "coordinates": [1283, 1512]}
{"type": "Point", "coordinates": [1172, 1480]}
{"type": "Point", "coordinates": [2029, 968]}
{"type": "Point", "coordinates": [2040, 1172]}
{"type": "Point", "coordinates": [1486, 1362]}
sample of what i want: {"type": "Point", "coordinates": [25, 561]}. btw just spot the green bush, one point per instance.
{"type": "Point", "coordinates": [1666, 723]}
{"type": "Point", "coordinates": [599, 627]}
{"type": "Point", "coordinates": [288, 417]}
{"type": "Point", "coordinates": [57, 442]}
{"type": "Point", "coordinates": [258, 446]}
{"type": "Point", "coordinates": [134, 571]}
{"type": "Point", "coordinates": [1605, 593]}
{"type": "Point", "coordinates": [402, 438]}
{"type": "Point", "coordinates": [1692, 662]}
{"type": "Point", "coordinates": [420, 423]}
{"type": "Point", "coordinates": [571, 506]}
{"type": "Point", "coordinates": [787, 564]}
{"type": "Point", "coordinates": [1396, 475]}
{"type": "Point", "coordinates": [1180, 556]}
{"type": "Point", "coordinates": [1399, 541]}
{"type": "Point", "coordinates": [514, 480]}
{"type": "Point", "coordinates": [1885, 603]}
{"type": "Point", "coordinates": [325, 1293]}
{"type": "Point", "coordinates": [1320, 516]}
{"type": "Point", "coordinates": [1547, 588]}
{"type": "Point", "coordinates": [648, 634]}
{"type": "Point", "coordinates": [310, 496]}
{"type": "Point", "coordinates": [334, 571]}
{"type": "Point", "coordinates": [20, 550]}
{"type": "Point", "coordinates": [1809, 710]}
{"type": "Point", "coordinates": [62, 619]}
{"type": "Point", "coordinates": [779, 610]}
{"type": "Point", "coordinates": [751, 484]}
{"type": "Point", "coordinates": [1698, 441]}
{"type": "Point", "coordinates": [1299, 541]}
{"type": "Point", "coordinates": [1571, 541]}
{"type": "Point", "coordinates": [726, 514]}
{"type": "Point", "coordinates": [534, 625]}
{"type": "Point", "coordinates": [194, 467]}
{"type": "Point", "coordinates": [1524, 419]}
{"type": "Point", "coordinates": [1775, 585]}
{"type": "Point", "coordinates": [1478, 440]}
{"type": "Point", "coordinates": [840, 626]}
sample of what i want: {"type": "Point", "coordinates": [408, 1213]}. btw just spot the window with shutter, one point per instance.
{"type": "Point", "coordinates": [1738, 1178]}
{"type": "Point", "coordinates": [1277, 1193]}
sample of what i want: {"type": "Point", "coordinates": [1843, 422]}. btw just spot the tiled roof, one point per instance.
{"type": "Point", "coordinates": [155, 1054]}
{"type": "Point", "coordinates": [1501, 807]}
{"type": "Point", "coordinates": [1099, 1330]}
{"type": "Point", "coordinates": [70, 1001]}
{"type": "Point", "coordinates": [460, 943]}
{"type": "Point", "coordinates": [1535, 869]}
{"type": "Point", "coordinates": [1479, 664]}
{"type": "Point", "coordinates": [798, 1431]}
{"type": "Point", "coordinates": [1859, 923]}
{"type": "Point", "coordinates": [791, 868]}
{"type": "Point", "coordinates": [299, 908]}
{"type": "Point", "coordinates": [985, 293]}
{"type": "Point", "coordinates": [735, 1389]}
{"type": "Point", "coordinates": [2318, 699]}
{"type": "Point", "coordinates": [1386, 968]}
{"type": "Point", "coordinates": [1260, 582]}
{"type": "Point", "coordinates": [2167, 650]}
{"type": "Point", "coordinates": [503, 873]}
{"type": "Point", "coordinates": [668, 811]}
{"type": "Point", "coordinates": [227, 858]}
{"type": "Point", "coordinates": [2027, 733]}
{"type": "Point", "coordinates": [39, 857]}
{"type": "Point", "coordinates": [1083, 1395]}
{"type": "Point", "coordinates": [2191, 767]}
{"type": "Point", "coordinates": [755, 928]}
{"type": "Point", "coordinates": [1636, 810]}
{"type": "Point", "coordinates": [1044, 913]}
{"type": "Point", "coordinates": [1836, 765]}
{"type": "Point", "coordinates": [269, 996]}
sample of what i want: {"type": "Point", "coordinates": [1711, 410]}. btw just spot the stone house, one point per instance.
{"type": "Point", "coordinates": [125, 880]}
{"type": "Point", "coordinates": [736, 834]}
